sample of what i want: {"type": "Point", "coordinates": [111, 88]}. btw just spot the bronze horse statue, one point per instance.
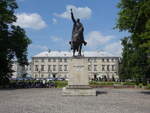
{"type": "Point", "coordinates": [77, 36]}
{"type": "Point", "coordinates": [76, 45]}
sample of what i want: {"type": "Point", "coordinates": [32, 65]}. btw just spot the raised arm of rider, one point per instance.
{"type": "Point", "coordinates": [72, 17]}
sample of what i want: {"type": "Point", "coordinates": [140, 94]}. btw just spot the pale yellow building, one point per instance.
{"type": "Point", "coordinates": [56, 63]}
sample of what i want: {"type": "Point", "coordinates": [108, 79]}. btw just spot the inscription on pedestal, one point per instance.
{"type": "Point", "coordinates": [78, 67]}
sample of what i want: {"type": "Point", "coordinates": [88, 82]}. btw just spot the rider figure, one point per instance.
{"type": "Point", "coordinates": [77, 31]}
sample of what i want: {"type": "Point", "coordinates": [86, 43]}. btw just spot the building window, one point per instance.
{"type": "Point", "coordinates": [49, 67]}
{"type": "Point", "coordinates": [42, 67]}
{"type": "Point", "coordinates": [36, 60]}
{"type": "Point", "coordinates": [54, 67]}
{"type": "Point", "coordinates": [107, 60]}
{"type": "Point", "coordinates": [113, 67]}
{"type": "Point", "coordinates": [103, 60]}
{"type": "Point", "coordinates": [89, 60]}
{"type": "Point", "coordinates": [95, 67]}
{"type": "Point", "coordinates": [89, 67]}
{"type": "Point", "coordinates": [42, 76]}
{"type": "Point", "coordinates": [54, 60]}
{"type": "Point", "coordinates": [60, 67]}
{"type": "Point", "coordinates": [36, 68]}
{"type": "Point", "coordinates": [49, 60]}
{"type": "Point", "coordinates": [65, 60]}
{"type": "Point", "coordinates": [60, 60]}
{"type": "Point", "coordinates": [107, 67]}
{"type": "Point", "coordinates": [103, 67]}
{"type": "Point", "coordinates": [23, 68]}
{"type": "Point", "coordinates": [42, 60]}
{"type": "Point", "coordinates": [65, 67]}
{"type": "Point", "coordinates": [36, 76]}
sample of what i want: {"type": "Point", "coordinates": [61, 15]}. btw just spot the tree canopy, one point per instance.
{"type": "Point", "coordinates": [13, 40]}
{"type": "Point", "coordinates": [134, 17]}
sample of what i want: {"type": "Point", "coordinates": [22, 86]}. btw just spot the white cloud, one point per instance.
{"type": "Point", "coordinates": [55, 38]}
{"type": "Point", "coordinates": [114, 48]}
{"type": "Point", "coordinates": [54, 21]}
{"type": "Point", "coordinates": [33, 21]}
{"type": "Point", "coordinates": [95, 38]}
{"type": "Point", "coordinates": [38, 47]}
{"type": "Point", "coordinates": [97, 41]}
{"type": "Point", "coordinates": [79, 12]}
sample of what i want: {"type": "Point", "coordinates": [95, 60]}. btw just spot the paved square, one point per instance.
{"type": "Point", "coordinates": [51, 101]}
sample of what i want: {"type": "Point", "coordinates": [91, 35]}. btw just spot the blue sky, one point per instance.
{"type": "Point", "coordinates": [48, 24]}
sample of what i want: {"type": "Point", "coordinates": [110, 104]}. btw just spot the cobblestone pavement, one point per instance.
{"type": "Point", "coordinates": [51, 101]}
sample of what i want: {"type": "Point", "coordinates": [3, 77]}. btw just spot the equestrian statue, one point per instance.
{"type": "Point", "coordinates": [77, 36]}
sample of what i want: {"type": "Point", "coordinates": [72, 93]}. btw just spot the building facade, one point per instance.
{"type": "Point", "coordinates": [56, 63]}
{"type": "Point", "coordinates": [20, 71]}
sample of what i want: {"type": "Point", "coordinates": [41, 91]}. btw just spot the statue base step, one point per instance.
{"type": "Point", "coordinates": [78, 90]}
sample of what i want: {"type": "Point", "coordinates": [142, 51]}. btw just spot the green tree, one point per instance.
{"type": "Point", "coordinates": [134, 17]}
{"type": "Point", "coordinates": [13, 40]}
{"type": "Point", "coordinates": [125, 71]}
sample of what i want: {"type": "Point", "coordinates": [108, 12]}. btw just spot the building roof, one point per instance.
{"type": "Point", "coordinates": [69, 54]}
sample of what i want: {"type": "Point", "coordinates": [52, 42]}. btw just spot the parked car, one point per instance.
{"type": "Point", "coordinates": [51, 79]}
{"type": "Point", "coordinates": [61, 79]}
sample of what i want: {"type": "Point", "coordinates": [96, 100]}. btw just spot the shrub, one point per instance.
{"type": "Point", "coordinates": [103, 83]}
{"type": "Point", "coordinates": [129, 83]}
{"type": "Point", "coordinates": [61, 84]}
{"type": "Point", "coordinates": [140, 85]}
{"type": "Point", "coordinates": [148, 86]}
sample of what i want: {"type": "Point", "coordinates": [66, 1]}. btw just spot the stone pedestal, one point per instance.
{"type": "Point", "coordinates": [78, 83]}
